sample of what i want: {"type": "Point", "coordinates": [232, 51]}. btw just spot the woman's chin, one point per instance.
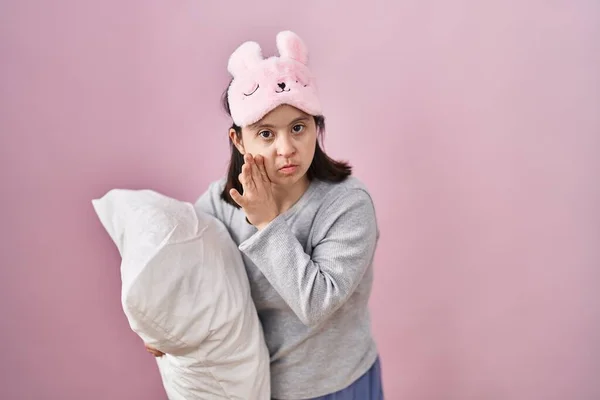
{"type": "Point", "coordinates": [287, 178]}
{"type": "Point", "coordinates": [292, 185]}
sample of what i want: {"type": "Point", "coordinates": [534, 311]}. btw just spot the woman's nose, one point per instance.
{"type": "Point", "coordinates": [285, 147]}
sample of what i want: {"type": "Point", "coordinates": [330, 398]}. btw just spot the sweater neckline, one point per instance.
{"type": "Point", "coordinates": [302, 200]}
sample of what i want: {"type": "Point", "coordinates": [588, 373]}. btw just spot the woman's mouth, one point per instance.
{"type": "Point", "coordinates": [288, 169]}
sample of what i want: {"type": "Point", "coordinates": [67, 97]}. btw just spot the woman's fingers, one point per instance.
{"type": "Point", "coordinates": [260, 162]}
{"type": "Point", "coordinates": [254, 168]}
{"type": "Point", "coordinates": [247, 179]}
{"type": "Point", "coordinates": [257, 198]}
{"type": "Point", "coordinates": [237, 197]}
{"type": "Point", "coordinates": [153, 351]}
{"type": "Point", "coordinates": [253, 178]}
{"type": "Point", "coordinates": [156, 353]}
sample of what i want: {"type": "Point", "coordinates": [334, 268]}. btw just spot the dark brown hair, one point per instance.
{"type": "Point", "coordinates": [322, 166]}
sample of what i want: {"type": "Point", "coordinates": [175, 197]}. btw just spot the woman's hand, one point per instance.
{"type": "Point", "coordinates": [257, 201]}
{"type": "Point", "coordinates": [153, 351]}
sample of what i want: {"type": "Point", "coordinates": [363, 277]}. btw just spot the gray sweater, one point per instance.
{"type": "Point", "coordinates": [311, 274]}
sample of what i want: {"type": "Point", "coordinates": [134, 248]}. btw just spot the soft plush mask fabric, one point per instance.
{"type": "Point", "coordinates": [259, 84]}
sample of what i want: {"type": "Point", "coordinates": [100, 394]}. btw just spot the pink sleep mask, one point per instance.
{"type": "Point", "coordinates": [259, 85]}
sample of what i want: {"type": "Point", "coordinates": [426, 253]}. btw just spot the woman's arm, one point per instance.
{"type": "Point", "coordinates": [316, 286]}
{"type": "Point", "coordinates": [210, 202]}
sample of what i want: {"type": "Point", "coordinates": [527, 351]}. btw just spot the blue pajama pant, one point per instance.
{"type": "Point", "coordinates": [367, 387]}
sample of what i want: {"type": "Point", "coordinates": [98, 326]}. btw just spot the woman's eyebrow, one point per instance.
{"type": "Point", "coordinates": [299, 119]}
{"type": "Point", "coordinates": [259, 126]}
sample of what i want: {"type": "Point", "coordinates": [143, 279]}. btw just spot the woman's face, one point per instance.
{"type": "Point", "coordinates": [286, 138]}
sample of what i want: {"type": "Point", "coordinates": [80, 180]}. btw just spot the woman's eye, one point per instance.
{"type": "Point", "coordinates": [265, 134]}
{"type": "Point", "coordinates": [298, 128]}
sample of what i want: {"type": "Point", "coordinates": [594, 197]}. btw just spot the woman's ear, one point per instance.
{"type": "Point", "coordinates": [237, 141]}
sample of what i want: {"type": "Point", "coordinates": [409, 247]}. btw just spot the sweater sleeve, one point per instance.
{"type": "Point", "coordinates": [210, 201]}
{"type": "Point", "coordinates": [316, 286]}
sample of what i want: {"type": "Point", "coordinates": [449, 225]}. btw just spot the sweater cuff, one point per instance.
{"type": "Point", "coordinates": [274, 233]}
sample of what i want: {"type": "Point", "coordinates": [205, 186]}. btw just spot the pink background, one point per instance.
{"type": "Point", "coordinates": [476, 125]}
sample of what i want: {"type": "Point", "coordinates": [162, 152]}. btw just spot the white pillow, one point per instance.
{"type": "Point", "coordinates": [185, 292]}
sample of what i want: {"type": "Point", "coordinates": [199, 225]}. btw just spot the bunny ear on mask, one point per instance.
{"type": "Point", "coordinates": [244, 58]}
{"type": "Point", "coordinates": [291, 46]}
{"type": "Point", "coordinates": [259, 84]}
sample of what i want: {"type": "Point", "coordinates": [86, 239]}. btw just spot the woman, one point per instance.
{"type": "Point", "coordinates": [306, 229]}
